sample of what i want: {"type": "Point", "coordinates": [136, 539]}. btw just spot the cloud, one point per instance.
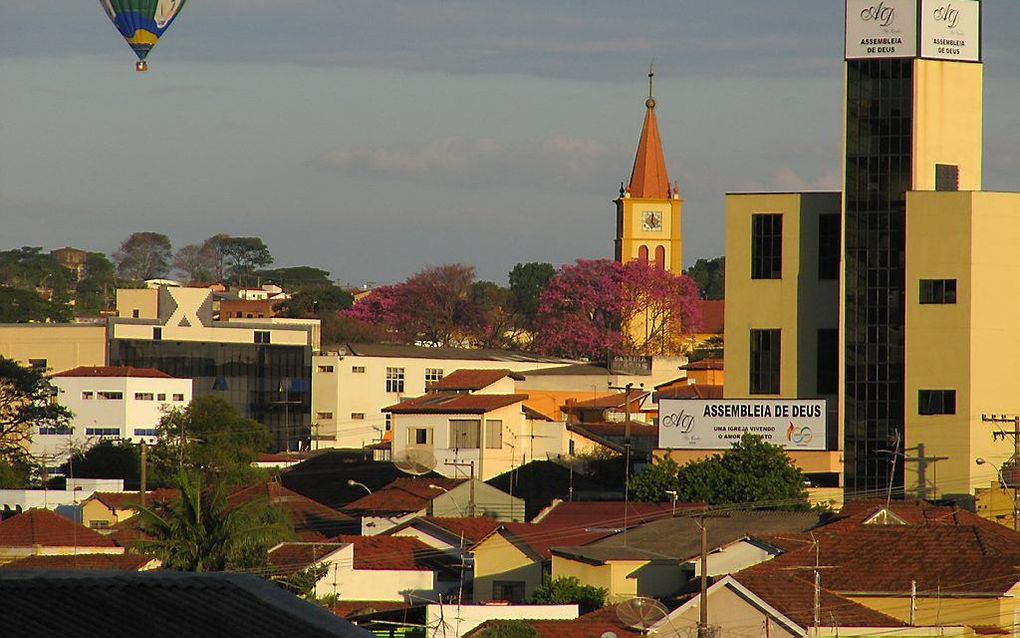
{"type": "Point", "coordinates": [555, 161]}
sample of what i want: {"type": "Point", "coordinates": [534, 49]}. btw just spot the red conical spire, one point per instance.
{"type": "Point", "coordinates": [649, 179]}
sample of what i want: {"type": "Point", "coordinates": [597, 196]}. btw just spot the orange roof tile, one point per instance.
{"type": "Point", "coordinates": [289, 558]}
{"type": "Point", "coordinates": [112, 371]}
{"type": "Point", "coordinates": [472, 529]}
{"type": "Point", "coordinates": [691, 391]}
{"type": "Point", "coordinates": [403, 495]}
{"type": "Point", "coordinates": [713, 316]}
{"type": "Point", "coordinates": [128, 562]}
{"type": "Point", "coordinates": [649, 179]}
{"type": "Point", "coordinates": [48, 529]}
{"type": "Point", "coordinates": [304, 514]}
{"type": "Point", "coordinates": [452, 403]}
{"type": "Point", "coordinates": [389, 552]}
{"type": "Point", "coordinates": [472, 380]}
{"type": "Point", "coordinates": [124, 500]}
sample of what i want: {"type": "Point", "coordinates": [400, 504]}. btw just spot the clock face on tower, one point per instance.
{"type": "Point", "coordinates": [651, 221]}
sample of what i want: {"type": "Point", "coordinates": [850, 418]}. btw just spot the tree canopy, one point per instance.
{"type": "Point", "coordinates": [109, 460]}
{"type": "Point", "coordinates": [568, 590]}
{"type": "Point", "coordinates": [243, 256]}
{"type": "Point", "coordinates": [710, 275]}
{"type": "Point", "coordinates": [752, 472]}
{"type": "Point", "coordinates": [26, 306]}
{"type": "Point", "coordinates": [527, 283]}
{"type": "Point", "coordinates": [26, 401]}
{"type": "Point", "coordinates": [144, 255]}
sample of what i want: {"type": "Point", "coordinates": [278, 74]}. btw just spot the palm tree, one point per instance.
{"type": "Point", "coordinates": [198, 532]}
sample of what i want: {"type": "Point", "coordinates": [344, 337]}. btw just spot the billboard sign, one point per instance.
{"type": "Point", "coordinates": [696, 424]}
{"type": "Point", "coordinates": [951, 30]}
{"type": "Point", "coordinates": [881, 29]}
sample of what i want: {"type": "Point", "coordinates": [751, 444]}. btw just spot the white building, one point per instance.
{"type": "Point", "coordinates": [351, 384]}
{"type": "Point", "coordinates": [108, 403]}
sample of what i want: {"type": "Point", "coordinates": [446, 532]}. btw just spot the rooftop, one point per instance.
{"type": "Point", "coordinates": [713, 316]}
{"type": "Point", "coordinates": [124, 500]}
{"type": "Point", "coordinates": [704, 364]}
{"type": "Point", "coordinates": [289, 558]}
{"type": "Point", "coordinates": [307, 516]}
{"type": "Point", "coordinates": [612, 401]}
{"type": "Point", "coordinates": [65, 562]}
{"type": "Point", "coordinates": [403, 495]}
{"type": "Point", "coordinates": [420, 352]}
{"type": "Point", "coordinates": [472, 380]}
{"type": "Point", "coordinates": [539, 483]}
{"type": "Point", "coordinates": [691, 391]}
{"type": "Point", "coordinates": [455, 403]}
{"type": "Point", "coordinates": [390, 552]}
{"type": "Point", "coordinates": [472, 530]}
{"type": "Point", "coordinates": [160, 604]}
{"type": "Point", "coordinates": [114, 372]}
{"type": "Point", "coordinates": [48, 529]}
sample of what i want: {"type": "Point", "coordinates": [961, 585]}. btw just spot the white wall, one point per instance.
{"type": "Point", "coordinates": [733, 558]}
{"type": "Point", "coordinates": [349, 583]}
{"type": "Point", "coordinates": [454, 621]}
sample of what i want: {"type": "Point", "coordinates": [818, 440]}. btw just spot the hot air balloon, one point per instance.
{"type": "Point", "coordinates": [142, 22]}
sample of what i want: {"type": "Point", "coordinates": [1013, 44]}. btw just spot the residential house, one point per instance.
{"type": "Point", "coordinates": [659, 558]}
{"type": "Point", "coordinates": [410, 498]}
{"type": "Point", "coordinates": [369, 568]}
{"type": "Point", "coordinates": [512, 561]}
{"type": "Point", "coordinates": [338, 477]}
{"type": "Point", "coordinates": [42, 532]}
{"type": "Point", "coordinates": [74, 562]}
{"type": "Point", "coordinates": [352, 383]}
{"type": "Point", "coordinates": [103, 510]}
{"type": "Point", "coordinates": [160, 604]}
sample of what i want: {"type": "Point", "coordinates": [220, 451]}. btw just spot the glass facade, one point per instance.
{"type": "Point", "coordinates": [878, 174]}
{"type": "Point", "coordinates": [271, 384]}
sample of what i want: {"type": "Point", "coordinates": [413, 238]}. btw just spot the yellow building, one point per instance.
{"type": "Point", "coordinates": [648, 222]}
{"type": "Point", "coordinates": [54, 346]}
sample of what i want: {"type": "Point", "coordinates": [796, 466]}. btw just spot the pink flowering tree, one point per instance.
{"type": "Point", "coordinates": [595, 308]}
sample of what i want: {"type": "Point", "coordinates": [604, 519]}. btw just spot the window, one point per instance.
{"type": "Point", "coordinates": [144, 396]}
{"type": "Point", "coordinates": [433, 376]}
{"type": "Point", "coordinates": [394, 379]}
{"type": "Point", "coordinates": [828, 361]}
{"type": "Point", "coordinates": [765, 361]}
{"type": "Point", "coordinates": [178, 397]}
{"type": "Point", "coordinates": [161, 396]}
{"type": "Point", "coordinates": [325, 368]}
{"type": "Point", "coordinates": [464, 433]}
{"type": "Point", "coordinates": [642, 254]}
{"type": "Point", "coordinates": [419, 436]}
{"type": "Point", "coordinates": [102, 431]}
{"type": "Point", "coordinates": [389, 421]}
{"type": "Point", "coordinates": [261, 336]}
{"type": "Point", "coordinates": [938, 291]}
{"type": "Point", "coordinates": [135, 313]}
{"type": "Point", "coordinates": [38, 364]}
{"type": "Point", "coordinates": [110, 396]}
{"type": "Point", "coordinates": [493, 434]}
{"type": "Point", "coordinates": [99, 524]}
{"type": "Point", "coordinates": [829, 249]}
{"type": "Point", "coordinates": [508, 590]}
{"type": "Point", "coordinates": [947, 177]}
{"type": "Point", "coordinates": [145, 431]}
{"type": "Point", "coordinates": [660, 257]}
{"type": "Point", "coordinates": [324, 416]}
{"type": "Point", "coordinates": [357, 416]}
{"type": "Point", "coordinates": [53, 431]}
{"type": "Point", "coordinates": [87, 396]}
{"type": "Point", "coordinates": [936, 402]}
{"type": "Point", "coordinates": [358, 369]}
{"type": "Point", "coordinates": [157, 334]}
{"type": "Point", "coordinates": [767, 246]}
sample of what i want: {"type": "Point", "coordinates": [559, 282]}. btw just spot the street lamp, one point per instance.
{"type": "Point", "coordinates": [1002, 482]}
{"type": "Point", "coordinates": [353, 483]}
{"type": "Point", "coordinates": [433, 486]}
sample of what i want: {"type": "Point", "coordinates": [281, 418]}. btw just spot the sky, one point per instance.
{"type": "Point", "coordinates": [374, 138]}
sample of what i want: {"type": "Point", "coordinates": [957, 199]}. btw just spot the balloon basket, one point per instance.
{"type": "Point", "coordinates": [141, 66]}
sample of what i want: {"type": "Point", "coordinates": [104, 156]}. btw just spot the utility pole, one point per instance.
{"type": "Point", "coordinates": [626, 407]}
{"type": "Point", "coordinates": [1011, 463]}
{"type": "Point", "coordinates": [702, 519]}
{"type": "Point", "coordinates": [922, 471]}
{"type": "Point", "coordinates": [471, 483]}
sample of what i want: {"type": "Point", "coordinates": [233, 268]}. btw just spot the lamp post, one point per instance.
{"type": "Point", "coordinates": [353, 483]}
{"type": "Point", "coordinates": [1002, 482]}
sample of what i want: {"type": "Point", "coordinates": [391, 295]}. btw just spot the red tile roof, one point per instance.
{"type": "Point", "coordinates": [124, 500]}
{"type": "Point", "coordinates": [713, 316]}
{"type": "Point", "coordinates": [304, 514]}
{"type": "Point", "coordinates": [473, 530]}
{"type": "Point", "coordinates": [453, 403]}
{"type": "Point", "coordinates": [403, 495]}
{"type": "Point", "coordinates": [289, 558]}
{"type": "Point", "coordinates": [114, 371]}
{"type": "Point", "coordinates": [637, 429]}
{"type": "Point", "coordinates": [540, 538]}
{"type": "Point", "coordinates": [128, 562]}
{"type": "Point", "coordinates": [126, 532]}
{"type": "Point", "coordinates": [48, 529]}
{"type": "Point", "coordinates": [692, 391]}
{"type": "Point", "coordinates": [939, 548]}
{"type": "Point", "coordinates": [704, 364]}
{"type": "Point", "coordinates": [389, 552]}
{"type": "Point", "coordinates": [611, 401]}
{"type": "Point", "coordinates": [472, 380]}
{"type": "Point", "coordinates": [590, 625]}
{"type": "Point", "coordinates": [609, 513]}
{"type": "Point", "coordinates": [649, 178]}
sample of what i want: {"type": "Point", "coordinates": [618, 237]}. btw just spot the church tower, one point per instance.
{"type": "Point", "coordinates": [648, 224]}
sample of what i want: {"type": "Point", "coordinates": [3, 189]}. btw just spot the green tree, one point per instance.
{"type": "Point", "coordinates": [108, 459]}
{"type": "Point", "coordinates": [710, 274]}
{"type": "Point", "coordinates": [28, 268]}
{"type": "Point", "coordinates": [243, 256]}
{"type": "Point", "coordinates": [26, 401]}
{"type": "Point", "coordinates": [302, 583]}
{"type": "Point", "coordinates": [96, 290]}
{"type": "Point", "coordinates": [752, 472]}
{"type": "Point", "coordinates": [295, 277]}
{"type": "Point", "coordinates": [712, 348]}
{"type": "Point", "coordinates": [209, 437]}
{"type": "Point", "coordinates": [144, 256]}
{"type": "Point", "coordinates": [507, 629]}
{"type": "Point", "coordinates": [198, 532]}
{"type": "Point", "coordinates": [318, 300]}
{"type": "Point", "coordinates": [487, 317]}
{"type": "Point", "coordinates": [26, 306]}
{"type": "Point", "coordinates": [568, 590]}
{"type": "Point", "coordinates": [15, 475]}
{"type": "Point", "coordinates": [527, 282]}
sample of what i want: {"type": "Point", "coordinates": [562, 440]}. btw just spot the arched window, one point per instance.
{"type": "Point", "coordinates": [642, 254]}
{"type": "Point", "coordinates": [660, 257]}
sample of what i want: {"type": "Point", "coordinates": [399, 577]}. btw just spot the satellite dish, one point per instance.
{"type": "Point", "coordinates": [608, 634]}
{"type": "Point", "coordinates": [416, 462]}
{"type": "Point", "coordinates": [641, 613]}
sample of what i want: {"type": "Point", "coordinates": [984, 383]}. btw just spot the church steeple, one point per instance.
{"type": "Point", "coordinates": [649, 179]}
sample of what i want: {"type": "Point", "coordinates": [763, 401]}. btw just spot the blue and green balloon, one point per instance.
{"type": "Point", "coordinates": [142, 22]}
